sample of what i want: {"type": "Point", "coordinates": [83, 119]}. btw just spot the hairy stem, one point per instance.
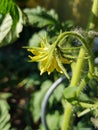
{"type": "Point", "coordinates": [85, 49]}
{"type": "Point", "coordinates": [93, 24]}
{"type": "Point", "coordinates": [80, 65]}
{"type": "Point", "coordinates": [67, 115]}
{"type": "Point", "coordinates": [77, 72]}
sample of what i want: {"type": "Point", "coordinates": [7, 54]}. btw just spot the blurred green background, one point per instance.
{"type": "Point", "coordinates": [20, 80]}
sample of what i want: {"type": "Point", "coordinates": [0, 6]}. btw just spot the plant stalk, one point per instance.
{"type": "Point", "coordinates": [93, 24]}
{"type": "Point", "coordinates": [79, 66]}
{"type": "Point", "coordinates": [67, 115]}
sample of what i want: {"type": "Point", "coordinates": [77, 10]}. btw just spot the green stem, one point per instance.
{"type": "Point", "coordinates": [93, 25]}
{"type": "Point", "coordinates": [80, 62]}
{"type": "Point", "coordinates": [85, 49]}
{"type": "Point", "coordinates": [67, 117]}
{"type": "Point", "coordinates": [76, 77]}
{"type": "Point", "coordinates": [77, 72]}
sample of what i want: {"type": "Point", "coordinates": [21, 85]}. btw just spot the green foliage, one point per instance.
{"type": "Point", "coordinates": [4, 112]}
{"type": "Point", "coordinates": [5, 95]}
{"type": "Point", "coordinates": [16, 73]}
{"type": "Point", "coordinates": [39, 17]}
{"type": "Point", "coordinates": [9, 6]}
{"type": "Point", "coordinates": [93, 87]}
{"type": "Point", "coordinates": [36, 37]}
{"type": "Point", "coordinates": [28, 128]}
{"type": "Point", "coordinates": [70, 93]}
{"type": "Point", "coordinates": [11, 22]}
{"type": "Point", "coordinates": [47, 22]}
{"type": "Point", "coordinates": [54, 120]}
{"type": "Point", "coordinates": [57, 94]}
{"type": "Point", "coordinates": [36, 100]}
{"type": "Point", "coordinates": [5, 28]}
{"type": "Point", "coordinates": [52, 114]}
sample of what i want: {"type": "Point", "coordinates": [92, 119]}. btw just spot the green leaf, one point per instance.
{"type": "Point", "coordinates": [9, 7]}
{"type": "Point", "coordinates": [30, 81]}
{"type": "Point", "coordinates": [6, 6]}
{"type": "Point", "coordinates": [36, 100]}
{"type": "Point", "coordinates": [11, 22]}
{"type": "Point", "coordinates": [5, 95]}
{"type": "Point", "coordinates": [28, 128]}
{"type": "Point", "coordinates": [39, 17]}
{"type": "Point", "coordinates": [54, 120]}
{"type": "Point", "coordinates": [4, 115]}
{"type": "Point", "coordinates": [59, 92]}
{"type": "Point", "coordinates": [94, 121]}
{"type": "Point", "coordinates": [83, 125]}
{"type": "Point", "coordinates": [83, 129]}
{"type": "Point", "coordinates": [11, 31]}
{"type": "Point", "coordinates": [5, 27]}
{"type": "Point", "coordinates": [70, 93]}
{"type": "Point", "coordinates": [57, 95]}
{"type": "Point", "coordinates": [84, 98]}
{"type": "Point", "coordinates": [36, 38]}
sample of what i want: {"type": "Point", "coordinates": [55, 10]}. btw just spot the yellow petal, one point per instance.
{"type": "Point", "coordinates": [37, 51]}
{"type": "Point", "coordinates": [38, 58]}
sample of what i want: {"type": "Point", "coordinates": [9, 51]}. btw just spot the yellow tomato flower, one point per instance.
{"type": "Point", "coordinates": [46, 55]}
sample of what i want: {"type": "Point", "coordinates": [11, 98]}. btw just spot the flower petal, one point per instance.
{"type": "Point", "coordinates": [38, 58]}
